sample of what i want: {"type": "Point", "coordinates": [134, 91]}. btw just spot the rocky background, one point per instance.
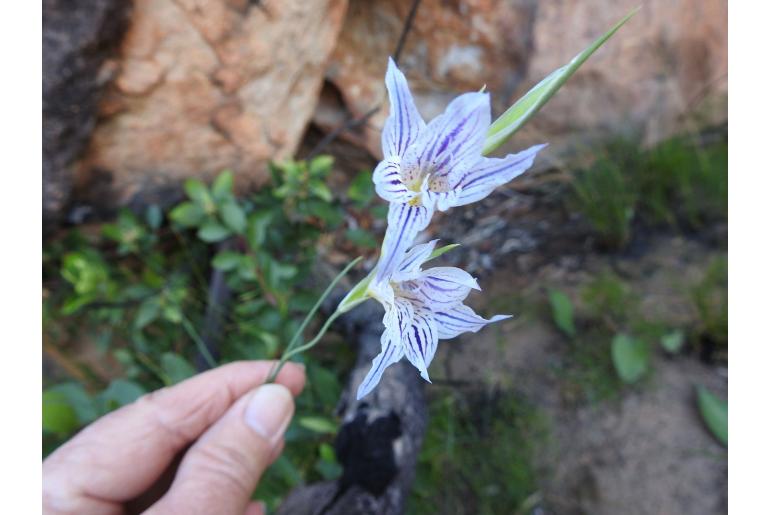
{"type": "Point", "coordinates": [140, 95]}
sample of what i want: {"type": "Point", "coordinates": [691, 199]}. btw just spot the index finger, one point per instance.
{"type": "Point", "coordinates": [120, 455]}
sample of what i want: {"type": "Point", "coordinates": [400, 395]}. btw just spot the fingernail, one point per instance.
{"type": "Point", "coordinates": [269, 411]}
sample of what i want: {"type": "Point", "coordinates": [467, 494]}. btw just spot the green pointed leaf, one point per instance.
{"type": "Point", "coordinates": [223, 186]}
{"type": "Point", "coordinates": [630, 357]}
{"type": "Point", "coordinates": [361, 189]}
{"type": "Point", "coordinates": [361, 238]}
{"type": "Point", "coordinates": [258, 224]}
{"type": "Point", "coordinates": [520, 112]}
{"type": "Point", "coordinates": [119, 393]}
{"type": "Point", "coordinates": [176, 367]}
{"type": "Point", "coordinates": [199, 193]}
{"type": "Point", "coordinates": [562, 312]}
{"type": "Point", "coordinates": [227, 260]}
{"type": "Point", "coordinates": [58, 415]}
{"type": "Point", "coordinates": [233, 217]}
{"type": "Point", "coordinates": [321, 165]}
{"type": "Point", "coordinates": [714, 413]}
{"type": "Point", "coordinates": [187, 214]}
{"type": "Point", "coordinates": [442, 250]}
{"type": "Point", "coordinates": [148, 311]}
{"type": "Point", "coordinates": [318, 424]}
{"type": "Point", "coordinates": [212, 231]}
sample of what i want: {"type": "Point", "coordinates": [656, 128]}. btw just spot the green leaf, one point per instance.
{"type": "Point", "coordinates": [227, 260]}
{"type": "Point", "coordinates": [321, 165]}
{"type": "Point", "coordinates": [361, 189]}
{"type": "Point", "coordinates": [58, 415]}
{"type": "Point", "coordinates": [318, 424]}
{"type": "Point", "coordinates": [321, 190]}
{"type": "Point", "coordinates": [714, 413]}
{"type": "Point", "coordinates": [148, 311]}
{"type": "Point", "coordinates": [361, 238]}
{"type": "Point", "coordinates": [562, 312]}
{"type": "Point", "coordinates": [327, 464]}
{"type": "Point", "coordinates": [630, 357]}
{"type": "Point", "coordinates": [199, 193]}
{"type": "Point", "coordinates": [187, 214]}
{"type": "Point", "coordinates": [673, 341]}
{"type": "Point", "coordinates": [276, 272]}
{"type": "Point", "coordinates": [441, 251]}
{"type": "Point", "coordinates": [247, 269]}
{"type": "Point", "coordinates": [119, 393]}
{"type": "Point", "coordinates": [176, 367]}
{"type": "Point", "coordinates": [223, 186]}
{"type": "Point", "coordinates": [379, 212]}
{"type": "Point", "coordinates": [80, 400]}
{"type": "Point", "coordinates": [233, 217]}
{"type": "Point", "coordinates": [257, 228]}
{"type": "Point", "coordinates": [211, 232]}
{"type": "Point", "coordinates": [520, 112]}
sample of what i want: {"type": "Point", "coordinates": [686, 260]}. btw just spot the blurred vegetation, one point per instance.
{"type": "Point", "coordinates": [679, 184]}
{"type": "Point", "coordinates": [709, 297]}
{"type": "Point", "coordinates": [477, 455]}
{"type": "Point", "coordinates": [139, 292]}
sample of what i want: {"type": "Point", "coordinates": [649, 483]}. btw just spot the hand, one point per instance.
{"type": "Point", "coordinates": [210, 438]}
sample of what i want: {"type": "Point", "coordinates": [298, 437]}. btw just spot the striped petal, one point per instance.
{"type": "Point", "coordinates": [444, 287]}
{"type": "Point", "coordinates": [451, 143]}
{"type": "Point", "coordinates": [388, 182]}
{"type": "Point", "coordinates": [490, 173]}
{"type": "Point", "coordinates": [409, 267]}
{"type": "Point", "coordinates": [404, 223]}
{"type": "Point", "coordinates": [391, 353]}
{"type": "Point", "coordinates": [461, 319]}
{"type": "Point", "coordinates": [421, 341]}
{"type": "Point", "coordinates": [404, 123]}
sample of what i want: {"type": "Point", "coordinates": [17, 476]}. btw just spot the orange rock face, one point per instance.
{"type": "Point", "coordinates": [203, 85]}
{"type": "Point", "coordinates": [659, 68]}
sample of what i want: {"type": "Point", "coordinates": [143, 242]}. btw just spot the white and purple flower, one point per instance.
{"type": "Point", "coordinates": [434, 166]}
{"type": "Point", "coordinates": [421, 308]}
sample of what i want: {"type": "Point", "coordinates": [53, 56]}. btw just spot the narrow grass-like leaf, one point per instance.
{"type": "Point", "coordinates": [714, 413]}
{"type": "Point", "coordinates": [520, 112]}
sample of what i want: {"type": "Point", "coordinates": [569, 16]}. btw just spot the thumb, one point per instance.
{"type": "Point", "coordinates": [221, 470]}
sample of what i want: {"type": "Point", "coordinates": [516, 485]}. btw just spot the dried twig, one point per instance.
{"type": "Point", "coordinates": [352, 122]}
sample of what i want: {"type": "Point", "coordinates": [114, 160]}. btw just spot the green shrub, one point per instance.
{"type": "Point", "coordinates": [477, 456]}
{"type": "Point", "coordinates": [677, 183]}
{"type": "Point", "coordinates": [140, 289]}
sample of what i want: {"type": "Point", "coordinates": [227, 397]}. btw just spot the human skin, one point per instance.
{"type": "Point", "coordinates": [197, 447]}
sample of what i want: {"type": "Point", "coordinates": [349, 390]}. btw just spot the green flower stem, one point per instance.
{"type": "Point", "coordinates": [210, 361]}
{"type": "Point", "coordinates": [302, 348]}
{"type": "Point", "coordinates": [290, 349]}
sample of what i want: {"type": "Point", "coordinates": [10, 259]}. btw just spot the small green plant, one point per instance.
{"type": "Point", "coordinates": [678, 183]}
{"type": "Point", "coordinates": [713, 410]}
{"type": "Point", "coordinates": [609, 299]}
{"type": "Point", "coordinates": [607, 197]}
{"type": "Point", "coordinates": [562, 312]}
{"type": "Point", "coordinates": [673, 342]}
{"type": "Point", "coordinates": [477, 456]}
{"type": "Point", "coordinates": [142, 286]}
{"type": "Point", "coordinates": [709, 297]}
{"type": "Point", "coordinates": [631, 357]}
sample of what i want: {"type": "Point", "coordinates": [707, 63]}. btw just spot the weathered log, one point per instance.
{"type": "Point", "coordinates": [379, 441]}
